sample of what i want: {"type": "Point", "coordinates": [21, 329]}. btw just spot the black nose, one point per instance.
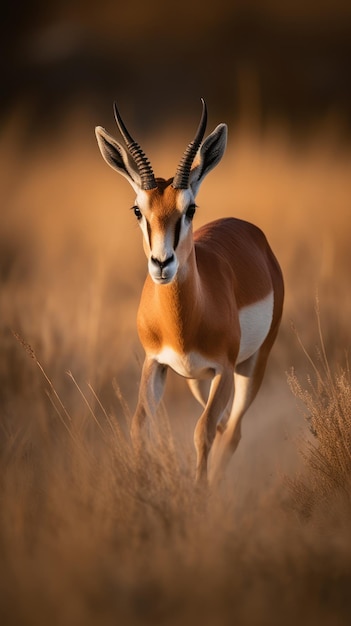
{"type": "Point", "coordinates": [162, 264]}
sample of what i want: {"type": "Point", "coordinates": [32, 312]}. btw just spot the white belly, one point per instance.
{"type": "Point", "coordinates": [191, 365]}
{"type": "Point", "coordinates": [255, 322]}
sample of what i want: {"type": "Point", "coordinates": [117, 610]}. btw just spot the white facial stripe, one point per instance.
{"type": "Point", "coordinates": [142, 200]}
{"type": "Point", "coordinates": [184, 199]}
{"type": "Point", "coordinates": [255, 322]}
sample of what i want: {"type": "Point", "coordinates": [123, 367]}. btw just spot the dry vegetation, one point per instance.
{"type": "Point", "coordinates": [326, 397]}
{"type": "Point", "coordinates": [86, 536]}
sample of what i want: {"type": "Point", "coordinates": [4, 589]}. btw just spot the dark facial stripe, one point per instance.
{"type": "Point", "coordinates": [177, 233]}
{"type": "Point", "coordinates": [149, 232]}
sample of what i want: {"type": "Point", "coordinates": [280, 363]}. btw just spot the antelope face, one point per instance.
{"type": "Point", "coordinates": [165, 216]}
{"type": "Point", "coordinates": [165, 209]}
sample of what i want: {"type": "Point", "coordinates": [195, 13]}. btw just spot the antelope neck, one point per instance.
{"type": "Point", "coordinates": [180, 297]}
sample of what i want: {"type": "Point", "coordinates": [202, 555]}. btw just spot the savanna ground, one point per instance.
{"type": "Point", "coordinates": [86, 537]}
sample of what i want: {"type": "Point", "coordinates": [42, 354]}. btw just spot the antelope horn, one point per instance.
{"type": "Point", "coordinates": [142, 162]}
{"type": "Point", "coordinates": [181, 179]}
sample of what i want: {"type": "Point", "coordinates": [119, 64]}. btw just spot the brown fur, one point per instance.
{"type": "Point", "coordinates": [233, 262]}
{"type": "Point", "coordinates": [191, 301]}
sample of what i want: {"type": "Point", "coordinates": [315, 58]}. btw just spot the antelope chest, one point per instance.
{"type": "Point", "coordinates": [255, 321]}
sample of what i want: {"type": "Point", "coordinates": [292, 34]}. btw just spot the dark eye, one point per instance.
{"type": "Point", "coordinates": [137, 212]}
{"type": "Point", "coordinates": [190, 212]}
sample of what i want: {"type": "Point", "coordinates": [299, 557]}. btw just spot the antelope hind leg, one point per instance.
{"type": "Point", "coordinates": [247, 381]}
{"type": "Point", "coordinates": [205, 431]}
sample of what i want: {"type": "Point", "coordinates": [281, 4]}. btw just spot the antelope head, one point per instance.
{"type": "Point", "coordinates": [165, 208]}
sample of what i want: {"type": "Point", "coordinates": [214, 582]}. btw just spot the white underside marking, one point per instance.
{"type": "Point", "coordinates": [192, 365]}
{"type": "Point", "coordinates": [255, 322]}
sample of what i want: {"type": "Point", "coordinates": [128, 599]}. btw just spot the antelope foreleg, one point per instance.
{"type": "Point", "coordinates": [220, 395]}
{"type": "Point", "coordinates": [151, 388]}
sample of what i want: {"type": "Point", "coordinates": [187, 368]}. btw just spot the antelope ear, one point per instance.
{"type": "Point", "coordinates": [117, 157]}
{"type": "Point", "coordinates": [208, 156]}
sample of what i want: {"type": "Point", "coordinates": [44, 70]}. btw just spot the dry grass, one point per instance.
{"type": "Point", "coordinates": [326, 475]}
{"type": "Point", "coordinates": [89, 537]}
{"type": "Point", "coordinates": [86, 535]}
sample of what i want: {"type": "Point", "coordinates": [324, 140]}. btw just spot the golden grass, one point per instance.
{"type": "Point", "coordinates": [87, 536]}
{"type": "Point", "coordinates": [326, 477]}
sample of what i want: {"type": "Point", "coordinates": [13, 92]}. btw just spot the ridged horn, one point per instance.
{"type": "Point", "coordinates": [181, 178]}
{"type": "Point", "coordinates": [142, 162]}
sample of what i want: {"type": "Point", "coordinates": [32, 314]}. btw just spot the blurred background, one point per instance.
{"type": "Point", "coordinates": [286, 62]}
{"type": "Point", "coordinates": [71, 261]}
{"type": "Point", "coordinates": [82, 533]}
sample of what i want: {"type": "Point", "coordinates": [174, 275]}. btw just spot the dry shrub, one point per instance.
{"type": "Point", "coordinates": [327, 453]}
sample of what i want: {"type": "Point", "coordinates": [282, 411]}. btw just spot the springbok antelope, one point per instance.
{"type": "Point", "coordinates": [212, 300]}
